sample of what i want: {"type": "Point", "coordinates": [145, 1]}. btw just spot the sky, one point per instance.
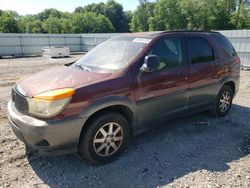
{"type": "Point", "coordinates": [23, 7]}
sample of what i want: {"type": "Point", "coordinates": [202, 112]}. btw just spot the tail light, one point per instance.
{"type": "Point", "coordinates": [238, 60]}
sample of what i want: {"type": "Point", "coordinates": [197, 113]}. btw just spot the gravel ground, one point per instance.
{"type": "Point", "coordinates": [196, 151]}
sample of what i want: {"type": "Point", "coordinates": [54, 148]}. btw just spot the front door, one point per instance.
{"type": "Point", "coordinates": [163, 91]}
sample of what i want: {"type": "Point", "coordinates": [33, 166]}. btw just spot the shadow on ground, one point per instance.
{"type": "Point", "coordinates": [156, 158]}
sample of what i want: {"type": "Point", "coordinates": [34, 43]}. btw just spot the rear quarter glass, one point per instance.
{"type": "Point", "coordinates": [225, 44]}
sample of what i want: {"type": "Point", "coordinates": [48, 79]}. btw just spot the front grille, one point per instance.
{"type": "Point", "coordinates": [20, 101]}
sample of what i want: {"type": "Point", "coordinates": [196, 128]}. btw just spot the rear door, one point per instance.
{"type": "Point", "coordinates": [202, 70]}
{"type": "Point", "coordinates": [164, 90]}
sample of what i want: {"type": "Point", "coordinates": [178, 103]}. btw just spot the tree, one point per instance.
{"type": "Point", "coordinates": [241, 18]}
{"type": "Point", "coordinates": [90, 22]}
{"type": "Point", "coordinates": [52, 25]}
{"type": "Point", "coordinates": [128, 19]}
{"type": "Point", "coordinates": [148, 16]}
{"type": "Point", "coordinates": [44, 15]}
{"type": "Point", "coordinates": [192, 14]}
{"type": "Point", "coordinates": [141, 16]}
{"type": "Point", "coordinates": [78, 9]}
{"type": "Point", "coordinates": [223, 13]}
{"type": "Point", "coordinates": [168, 16]}
{"type": "Point", "coordinates": [98, 8]}
{"type": "Point", "coordinates": [195, 14]}
{"type": "Point", "coordinates": [9, 22]}
{"type": "Point", "coordinates": [66, 25]}
{"type": "Point", "coordinates": [112, 10]}
{"type": "Point", "coordinates": [29, 24]}
{"type": "Point", "coordinates": [35, 26]}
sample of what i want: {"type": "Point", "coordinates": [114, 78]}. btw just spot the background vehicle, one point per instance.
{"type": "Point", "coordinates": [120, 88]}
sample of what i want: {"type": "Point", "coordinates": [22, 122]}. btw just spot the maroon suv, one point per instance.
{"type": "Point", "coordinates": [120, 88]}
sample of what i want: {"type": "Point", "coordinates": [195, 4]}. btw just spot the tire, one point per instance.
{"type": "Point", "coordinates": [224, 97]}
{"type": "Point", "coordinates": [98, 144]}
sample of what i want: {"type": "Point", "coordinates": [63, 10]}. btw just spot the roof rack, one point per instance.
{"type": "Point", "coordinates": [198, 31]}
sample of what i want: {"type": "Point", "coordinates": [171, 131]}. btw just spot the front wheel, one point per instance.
{"type": "Point", "coordinates": [104, 139]}
{"type": "Point", "coordinates": [223, 102]}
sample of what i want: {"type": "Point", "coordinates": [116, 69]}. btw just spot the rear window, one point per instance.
{"type": "Point", "coordinates": [200, 50]}
{"type": "Point", "coordinates": [228, 48]}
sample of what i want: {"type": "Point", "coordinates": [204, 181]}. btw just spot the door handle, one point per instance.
{"type": "Point", "coordinates": [183, 75]}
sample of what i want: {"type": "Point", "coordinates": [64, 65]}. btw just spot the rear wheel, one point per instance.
{"type": "Point", "coordinates": [223, 102]}
{"type": "Point", "coordinates": [105, 138]}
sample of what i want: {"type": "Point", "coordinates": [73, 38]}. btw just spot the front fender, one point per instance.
{"type": "Point", "coordinates": [109, 102]}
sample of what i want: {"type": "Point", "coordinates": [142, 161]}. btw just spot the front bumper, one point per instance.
{"type": "Point", "coordinates": [52, 136]}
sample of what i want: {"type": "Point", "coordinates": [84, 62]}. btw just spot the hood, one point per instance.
{"type": "Point", "coordinates": [57, 78]}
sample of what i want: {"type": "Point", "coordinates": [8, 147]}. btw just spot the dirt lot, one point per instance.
{"type": "Point", "coordinates": [196, 151]}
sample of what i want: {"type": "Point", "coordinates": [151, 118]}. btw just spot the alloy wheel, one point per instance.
{"type": "Point", "coordinates": [108, 139]}
{"type": "Point", "coordinates": [225, 102]}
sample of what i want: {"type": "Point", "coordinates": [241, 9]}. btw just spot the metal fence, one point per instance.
{"type": "Point", "coordinates": [31, 44]}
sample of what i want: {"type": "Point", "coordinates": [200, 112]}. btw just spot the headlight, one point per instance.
{"type": "Point", "coordinates": [50, 103]}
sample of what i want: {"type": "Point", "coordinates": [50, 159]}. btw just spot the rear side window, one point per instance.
{"type": "Point", "coordinates": [200, 50]}
{"type": "Point", "coordinates": [228, 48]}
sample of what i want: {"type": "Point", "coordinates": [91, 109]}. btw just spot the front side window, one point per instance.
{"type": "Point", "coordinates": [170, 52]}
{"type": "Point", "coordinates": [200, 50]}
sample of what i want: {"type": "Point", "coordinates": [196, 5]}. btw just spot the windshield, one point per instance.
{"type": "Point", "coordinates": [112, 55]}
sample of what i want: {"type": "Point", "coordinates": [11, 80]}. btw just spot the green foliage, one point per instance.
{"type": "Point", "coordinates": [52, 25]}
{"type": "Point", "coordinates": [90, 22]}
{"type": "Point", "coordinates": [98, 8]}
{"type": "Point", "coordinates": [223, 14]}
{"type": "Point", "coordinates": [66, 25]}
{"type": "Point", "coordinates": [241, 19]}
{"type": "Point", "coordinates": [47, 13]}
{"type": "Point", "coordinates": [9, 22]}
{"type": "Point", "coordinates": [112, 10]}
{"type": "Point", "coordinates": [191, 14]}
{"type": "Point", "coordinates": [35, 26]}
{"type": "Point", "coordinates": [141, 16]}
{"type": "Point", "coordinates": [128, 19]}
{"type": "Point", "coordinates": [167, 16]}
{"type": "Point", "coordinates": [29, 24]}
{"type": "Point", "coordinates": [207, 14]}
{"type": "Point", "coordinates": [148, 16]}
{"type": "Point", "coordinates": [54, 21]}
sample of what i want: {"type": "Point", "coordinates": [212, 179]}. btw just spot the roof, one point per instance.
{"type": "Point", "coordinates": [146, 34]}
{"type": "Point", "coordinates": [158, 33]}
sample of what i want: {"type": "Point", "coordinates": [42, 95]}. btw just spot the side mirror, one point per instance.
{"type": "Point", "coordinates": [151, 63]}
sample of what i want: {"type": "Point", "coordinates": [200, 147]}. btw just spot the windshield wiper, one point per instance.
{"type": "Point", "coordinates": [83, 67]}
